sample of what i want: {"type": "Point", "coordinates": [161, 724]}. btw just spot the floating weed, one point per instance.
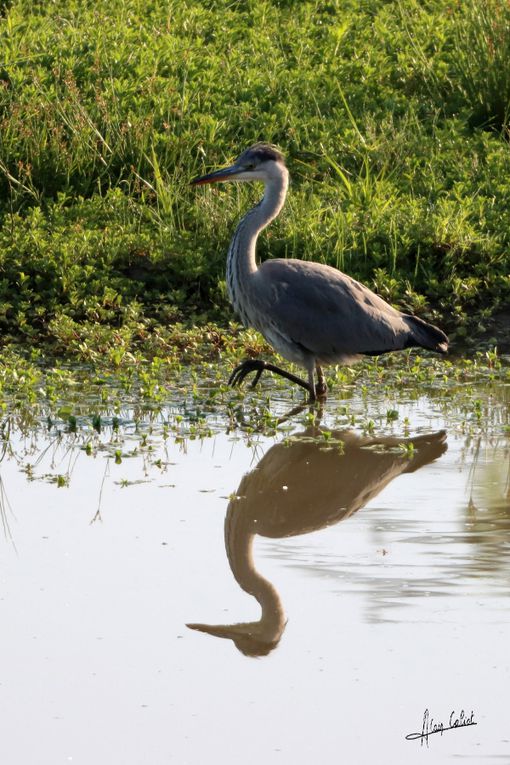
{"type": "Point", "coordinates": [125, 482]}
{"type": "Point", "coordinates": [107, 414]}
{"type": "Point", "coordinates": [60, 481]}
{"type": "Point", "coordinates": [477, 409]}
{"type": "Point", "coordinates": [408, 449]}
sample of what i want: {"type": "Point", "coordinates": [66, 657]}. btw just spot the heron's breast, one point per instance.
{"type": "Point", "coordinates": [285, 346]}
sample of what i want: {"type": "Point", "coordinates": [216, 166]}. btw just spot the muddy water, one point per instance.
{"type": "Point", "coordinates": [314, 594]}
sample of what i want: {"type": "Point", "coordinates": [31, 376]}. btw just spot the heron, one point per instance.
{"type": "Point", "coordinates": [312, 314]}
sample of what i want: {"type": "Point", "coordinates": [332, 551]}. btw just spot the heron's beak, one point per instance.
{"type": "Point", "coordinates": [226, 174]}
{"type": "Point", "coordinates": [247, 637]}
{"type": "Point", "coordinates": [219, 630]}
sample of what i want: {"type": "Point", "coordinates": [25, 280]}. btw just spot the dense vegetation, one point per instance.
{"type": "Point", "coordinates": [394, 117]}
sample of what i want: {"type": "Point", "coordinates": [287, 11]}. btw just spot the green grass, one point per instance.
{"type": "Point", "coordinates": [393, 117]}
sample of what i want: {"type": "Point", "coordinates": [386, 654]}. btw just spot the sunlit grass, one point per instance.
{"type": "Point", "coordinates": [107, 110]}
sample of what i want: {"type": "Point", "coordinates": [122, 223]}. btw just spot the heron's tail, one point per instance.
{"type": "Point", "coordinates": [426, 335]}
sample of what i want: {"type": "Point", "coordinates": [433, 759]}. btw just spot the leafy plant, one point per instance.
{"type": "Point", "coordinates": [480, 61]}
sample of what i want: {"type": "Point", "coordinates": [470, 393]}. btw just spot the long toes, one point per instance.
{"type": "Point", "coordinates": [257, 377]}
{"type": "Point", "coordinates": [243, 373]}
{"type": "Point", "coordinates": [236, 377]}
{"type": "Point", "coordinates": [244, 369]}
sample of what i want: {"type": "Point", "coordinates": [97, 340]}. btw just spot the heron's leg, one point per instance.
{"type": "Point", "coordinates": [259, 366]}
{"type": "Point", "coordinates": [294, 411]}
{"type": "Point", "coordinates": [322, 386]}
{"type": "Point", "coordinates": [311, 383]}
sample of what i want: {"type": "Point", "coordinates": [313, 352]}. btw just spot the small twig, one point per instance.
{"type": "Point", "coordinates": [97, 516]}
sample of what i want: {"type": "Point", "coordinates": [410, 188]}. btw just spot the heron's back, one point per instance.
{"type": "Point", "coordinates": [330, 315]}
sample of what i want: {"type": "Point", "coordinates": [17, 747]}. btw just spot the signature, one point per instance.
{"type": "Point", "coordinates": [431, 726]}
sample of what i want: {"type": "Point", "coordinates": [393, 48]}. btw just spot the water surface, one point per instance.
{"type": "Point", "coordinates": [286, 595]}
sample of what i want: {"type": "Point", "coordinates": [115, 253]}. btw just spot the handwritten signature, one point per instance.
{"type": "Point", "coordinates": [431, 726]}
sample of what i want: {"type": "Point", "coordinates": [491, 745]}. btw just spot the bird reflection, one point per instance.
{"type": "Point", "coordinates": [309, 482]}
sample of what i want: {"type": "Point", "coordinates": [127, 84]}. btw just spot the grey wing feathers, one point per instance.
{"type": "Point", "coordinates": [332, 315]}
{"type": "Point", "coordinates": [426, 335]}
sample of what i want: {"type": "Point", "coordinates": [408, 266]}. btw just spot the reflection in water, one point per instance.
{"type": "Point", "coordinates": [490, 479]}
{"type": "Point", "coordinates": [487, 521]}
{"type": "Point", "coordinates": [308, 483]}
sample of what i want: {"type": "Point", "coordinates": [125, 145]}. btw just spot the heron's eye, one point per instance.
{"type": "Point", "coordinates": [250, 166]}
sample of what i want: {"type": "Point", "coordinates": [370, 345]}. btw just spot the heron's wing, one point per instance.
{"type": "Point", "coordinates": [327, 312]}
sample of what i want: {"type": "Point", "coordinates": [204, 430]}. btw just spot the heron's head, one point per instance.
{"type": "Point", "coordinates": [261, 162]}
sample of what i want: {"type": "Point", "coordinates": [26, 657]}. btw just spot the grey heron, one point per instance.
{"type": "Point", "coordinates": [312, 314]}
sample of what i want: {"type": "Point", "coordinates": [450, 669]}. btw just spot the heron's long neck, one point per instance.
{"type": "Point", "coordinates": [241, 262]}
{"type": "Point", "coordinates": [239, 537]}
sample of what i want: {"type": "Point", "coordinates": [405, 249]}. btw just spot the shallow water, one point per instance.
{"type": "Point", "coordinates": [300, 595]}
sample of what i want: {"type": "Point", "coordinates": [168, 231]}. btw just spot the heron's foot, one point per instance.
{"type": "Point", "coordinates": [245, 368]}
{"type": "Point", "coordinates": [258, 366]}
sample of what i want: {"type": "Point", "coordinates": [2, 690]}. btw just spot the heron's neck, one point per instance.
{"type": "Point", "coordinates": [241, 261]}
{"type": "Point", "coordinates": [239, 537]}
